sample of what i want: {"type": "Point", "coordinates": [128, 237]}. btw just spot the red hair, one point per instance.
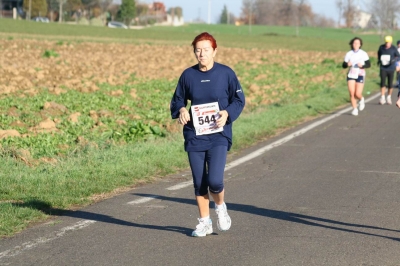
{"type": "Point", "coordinates": [205, 36]}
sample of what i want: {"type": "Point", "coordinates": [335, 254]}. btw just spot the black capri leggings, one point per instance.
{"type": "Point", "coordinates": [389, 75]}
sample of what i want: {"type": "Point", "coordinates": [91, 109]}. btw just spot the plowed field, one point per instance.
{"type": "Point", "coordinates": [80, 91]}
{"type": "Point", "coordinates": [27, 65]}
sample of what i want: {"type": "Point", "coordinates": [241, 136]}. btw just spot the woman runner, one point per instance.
{"type": "Point", "coordinates": [357, 60]}
{"type": "Point", "coordinates": [216, 99]}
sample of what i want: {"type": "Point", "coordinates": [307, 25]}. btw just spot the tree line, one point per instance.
{"type": "Point", "coordinates": [383, 13]}
{"type": "Point", "coordinates": [129, 11]}
{"type": "Point", "coordinates": [276, 12]}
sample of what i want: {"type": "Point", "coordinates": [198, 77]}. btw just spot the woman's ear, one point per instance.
{"type": "Point", "coordinates": [215, 52]}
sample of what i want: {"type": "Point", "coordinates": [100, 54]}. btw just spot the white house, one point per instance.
{"type": "Point", "coordinates": [361, 19]}
{"type": "Point", "coordinates": [172, 21]}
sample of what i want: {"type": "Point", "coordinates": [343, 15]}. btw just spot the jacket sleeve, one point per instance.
{"type": "Point", "coordinates": [236, 100]}
{"type": "Point", "coordinates": [344, 65]}
{"type": "Point", "coordinates": [379, 56]}
{"type": "Point", "coordinates": [179, 99]}
{"type": "Point", "coordinates": [367, 64]}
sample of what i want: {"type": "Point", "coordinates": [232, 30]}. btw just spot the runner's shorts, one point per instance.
{"type": "Point", "coordinates": [387, 75]}
{"type": "Point", "coordinates": [360, 79]}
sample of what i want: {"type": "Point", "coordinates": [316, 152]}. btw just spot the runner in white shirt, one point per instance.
{"type": "Point", "coordinates": [357, 60]}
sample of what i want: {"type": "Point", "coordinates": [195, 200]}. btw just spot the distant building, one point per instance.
{"type": "Point", "coordinates": [361, 19]}
{"type": "Point", "coordinates": [173, 21]}
{"type": "Point", "coordinates": [157, 14]}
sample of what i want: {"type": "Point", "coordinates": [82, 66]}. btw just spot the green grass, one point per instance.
{"type": "Point", "coordinates": [28, 110]}
{"type": "Point", "coordinates": [151, 113]}
{"type": "Point", "coordinates": [73, 180]}
{"type": "Point", "coordinates": [36, 191]}
{"type": "Point", "coordinates": [111, 158]}
{"type": "Point", "coordinates": [309, 38]}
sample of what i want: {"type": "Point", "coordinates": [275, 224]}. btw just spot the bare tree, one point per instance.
{"type": "Point", "coordinates": [385, 12]}
{"type": "Point", "coordinates": [280, 12]}
{"type": "Point", "coordinates": [298, 14]}
{"type": "Point", "coordinates": [339, 5]}
{"type": "Point", "coordinates": [248, 11]}
{"type": "Point", "coordinates": [349, 12]}
{"type": "Point", "coordinates": [60, 12]}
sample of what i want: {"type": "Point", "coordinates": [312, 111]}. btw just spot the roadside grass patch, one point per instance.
{"type": "Point", "coordinates": [73, 180]}
{"type": "Point", "coordinates": [14, 218]}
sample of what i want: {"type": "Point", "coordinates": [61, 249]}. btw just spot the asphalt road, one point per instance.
{"type": "Point", "coordinates": [327, 197]}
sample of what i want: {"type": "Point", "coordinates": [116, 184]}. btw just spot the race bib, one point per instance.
{"type": "Point", "coordinates": [205, 118]}
{"type": "Point", "coordinates": [385, 59]}
{"type": "Point", "coordinates": [354, 72]}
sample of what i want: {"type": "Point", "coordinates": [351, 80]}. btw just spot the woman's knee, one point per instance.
{"type": "Point", "coordinates": [200, 185]}
{"type": "Point", "coordinates": [201, 191]}
{"type": "Point", "coordinates": [216, 187]}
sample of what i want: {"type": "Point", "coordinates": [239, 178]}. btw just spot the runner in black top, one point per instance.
{"type": "Point", "coordinates": [387, 57]}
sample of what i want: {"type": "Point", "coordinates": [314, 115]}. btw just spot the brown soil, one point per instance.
{"type": "Point", "coordinates": [80, 66]}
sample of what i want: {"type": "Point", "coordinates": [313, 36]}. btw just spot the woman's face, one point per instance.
{"type": "Point", "coordinates": [205, 53]}
{"type": "Point", "coordinates": [356, 44]}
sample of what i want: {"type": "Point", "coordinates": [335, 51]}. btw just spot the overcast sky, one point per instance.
{"type": "Point", "coordinates": [194, 9]}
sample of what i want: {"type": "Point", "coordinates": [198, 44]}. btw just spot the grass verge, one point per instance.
{"type": "Point", "coordinates": [256, 36]}
{"type": "Point", "coordinates": [29, 194]}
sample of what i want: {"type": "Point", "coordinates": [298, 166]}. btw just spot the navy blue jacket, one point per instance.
{"type": "Point", "coordinates": [394, 55]}
{"type": "Point", "coordinates": [219, 84]}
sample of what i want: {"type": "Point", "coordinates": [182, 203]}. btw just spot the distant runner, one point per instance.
{"type": "Point", "coordinates": [398, 64]}
{"type": "Point", "coordinates": [387, 57]}
{"type": "Point", "coordinates": [357, 60]}
{"type": "Point", "coordinates": [217, 100]}
{"type": "Point", "coordinates": [398, 75]}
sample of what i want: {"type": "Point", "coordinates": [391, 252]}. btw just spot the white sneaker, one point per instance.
{"type": "Point", "coordinates": [224, 221]}
{"type": "Point", "coordinates": [389, 100]}
{"type": "Point", "coordinates": [382, 100]}
{"type": "Point", "coordinates": [361, 104]}
{"type": "Point", "coordinates": [354, 112]}
{"type": "Point", "coordinates": [203, 228]}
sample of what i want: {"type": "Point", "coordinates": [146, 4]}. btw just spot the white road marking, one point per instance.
{"type": "Point", "coordinates": [268, 147]}
{"type": "Point", "coordinates": [382, 172]}
{"type": "Point", "coordinates": [41, 240]}
{"type": "Point", "coordinates": [276, 143]}
{"type": "Point", "coordinates": [84, 223]}
{"type": "Point", "coordinates": [370, 171]}
{"type": "Point", "coordinates": [290, 137]}
{"type": "Point", "coordinates": [180, 185]}
{"type": "Point", "coordinates": [142, 200]}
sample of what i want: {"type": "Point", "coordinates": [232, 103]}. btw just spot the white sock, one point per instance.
{"type": "Point", "coordinates": [389, 96]}
{"type": "Point", "coordinates": [219, 206]}
{"type": "Point", "coordinates": [205, 218]}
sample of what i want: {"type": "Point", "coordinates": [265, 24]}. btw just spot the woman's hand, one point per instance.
{"type": "Point", "coordinates": [223, 116]}
{"type": "Point", "coordinates": [360, 65]}
{"type": "Point", "coordinates": [184, 116]}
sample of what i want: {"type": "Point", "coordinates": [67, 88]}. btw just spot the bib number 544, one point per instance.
{"type": "Point", "coordinates": [207, 119]}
